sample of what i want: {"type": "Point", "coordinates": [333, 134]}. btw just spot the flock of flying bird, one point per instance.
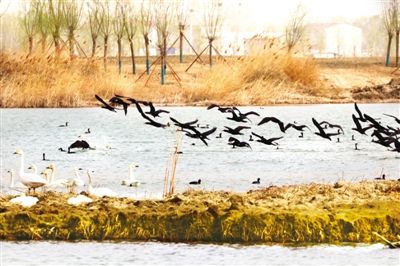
{"type": "Point", "coordinates": [385, 135]}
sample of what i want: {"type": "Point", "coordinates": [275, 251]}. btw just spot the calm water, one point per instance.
{"type": "Point", "coordinates": [154, 253]}
{"type": "Point", "coordinates": [311, 159]}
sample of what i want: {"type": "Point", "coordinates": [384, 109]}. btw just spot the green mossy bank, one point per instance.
{"type": "Point", "coordinates": [296, 214]}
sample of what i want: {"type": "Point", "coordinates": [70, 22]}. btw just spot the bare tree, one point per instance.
{"type": "Point", "coordinates": [105, 27]}
{"type": "Point", "coordinates": [94, 23]}
{"type": "Point", "coordinates": [213, 22]}
{"type": "Point", "coordinates": [181, 17]}
{"type": "Point", "coordinates": [119, 29]}
{"type": "Point", "coordinates": [28, 22]}
{"type": "Point", "coordinates": [72, 11]}
{"type": "Point", "coordinates": [295, 28]}
{"type": "Point", "coordinates": [396, 25]}
{"type": "Point", "coordinates": [146, 18]}
{"type": "Point", "coordinates": [164, 14]}
{"type": "Point", "coordinates": [56, 22]}
{"type": "Point", "coordinates": [43, 22]}
{"type": "Point", "coordinates": [387, 15]}
{"type": "Point", "coordinates": [131, 23]}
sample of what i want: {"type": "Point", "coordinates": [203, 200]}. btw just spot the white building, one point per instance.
{"type": "Point", "coordinates": [343, 39]}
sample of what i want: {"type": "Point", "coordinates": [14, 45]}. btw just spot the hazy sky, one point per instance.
{"type": "Point", "coordinates": [257, 14]}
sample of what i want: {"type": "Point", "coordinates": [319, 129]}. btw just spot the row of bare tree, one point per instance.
{"type": "Point", "coordinates": [391, 22]}
{"type": "Point", "coordinates": [59, 21]}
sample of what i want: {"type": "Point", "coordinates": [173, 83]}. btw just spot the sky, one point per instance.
{"type": "Point", "coordinates": [257, 14]}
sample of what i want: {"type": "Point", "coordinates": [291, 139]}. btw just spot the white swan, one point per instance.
{"type": "Point", "coordinates": [26, 201]}
{"type": "Point", "coordinates": [80, 199]}
{"type": "Point", "coordinates": [13, 185]}
{"type": "Point", "coordinates": [99, 191]}
{"type": "Point", "coordinates": [132, 181]}
{"type": "Point", "coordinates": [31, 180]}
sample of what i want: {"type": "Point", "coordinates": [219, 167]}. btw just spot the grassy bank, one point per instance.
{"type": "Point", "coordinates": [297, 214]}
{"type": "Point", "coordinates": [272, 77]}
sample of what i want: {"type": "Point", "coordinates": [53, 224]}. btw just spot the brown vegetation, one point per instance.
{"type": "Point", "coordinates": [295, 214]}
{"type": "Point", "coordinates": [273, 77]}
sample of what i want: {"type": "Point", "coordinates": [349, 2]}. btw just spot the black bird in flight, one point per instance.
{"type": "Point", "coordinates": [266, 141]}
{"type": "Point", "coordinates": [332, 125]}
{"type": "Point", "coordinates": [237, 143]}
{"type": "Point", "coordinates": [153, 112]}
{"type": "Point", "coordinates": [235, 131]}
{"type": "Point", "coordinates": [358, 127]}
{"type": "Point", "coordinates": [105, 105]}
{"type": "Point", "coordinates": [188, 125]}
{"type": "Point", "coordinates": [149, 120]}
{"type": "Point", "coordinates": [119, 101]}
{"type": "Point", "coordinates": [295, 126]}
{"type": "Point", "coordinates": [221, 109]}
{"type": "Point", "coordinates": [199, 135]}
{"type": "Point", "coordinates": [321, 132]}
{"type": "Point", "coordinates": [395, 118]}
{"type": "Point", "coordinates": [274, 120]}
{"type": "Point", "coordinates": [360, 115]}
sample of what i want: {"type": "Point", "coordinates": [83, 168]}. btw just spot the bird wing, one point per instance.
{"type": "Point", "coordinates": [232, 139]}
{"type": "Point", "coordinates": [397, 119]}
{"type": "Point", "coordinates": [321, 131]}
{"type": "Point", "coordinates": [261, 137]}
{"type": "Point", "coordinates": [360, 115]}
{"type": "Point", "coordinates": [356, 122]}
{"type": "Point", "coordinates": [274, 139]}
{"type": "Point", "coordinates": [152, 109]}
{"type": "Point", "coordinates": [239, 128]}
{"type": "Point", "coordinates": [264, 120]}
{"type": "Point", "coordinates": [251, 113]}
{"type": "Point", "coordinates": [105, 105]}
{"type": "Point", "coordinates": [209, 132]}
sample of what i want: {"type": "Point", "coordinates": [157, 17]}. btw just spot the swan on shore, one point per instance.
{"type": "Point", "coordinates": [30, 180]}
{"type": "Point", "coordinates": [25, 201]}
{"type": "Point", "coordinates": [13, 185]}
{"type": "Point", "coordinates": [70, 183]}
{"type": "Point", "coordinates": [132, 181]}
{"type": "Point", "coordinates": [98, 191]}
{"type": "Point", "coordinates": [78, 200]}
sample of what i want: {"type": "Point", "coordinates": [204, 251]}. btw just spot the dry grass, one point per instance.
{"type": "Point", "coordinates": [43, 82]}
{"type": "Point", "coordinates": [271, 77]}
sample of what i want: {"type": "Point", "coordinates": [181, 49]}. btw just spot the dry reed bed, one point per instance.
{"type": "Point", "coordinates": [270, 77]}
{"type": "Point", "coordinates": [296, 214]}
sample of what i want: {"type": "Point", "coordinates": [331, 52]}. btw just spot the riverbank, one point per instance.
{"type": "Point", "coordinates": [295, 214]}
{"type": "Point", "coordinates": [270, 78]}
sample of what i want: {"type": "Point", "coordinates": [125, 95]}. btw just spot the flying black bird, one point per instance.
{"type": "Point", "coordinates": [395, 118]}
{"type": "Point", "coordinates": [272, 119]}
{"type": "Point", "coordinates": [331, 125]}
{"type": "Point", "coordinates": [188, 125]}
{"type": "Point", "coordinates": [153, 112]}
{"type": "Point", "coordinates": [384, 141]}
{"type": "Point", "coordinates": [105, 105]}
{"type": "Point", "coordinates": [235, 131]}
{"type": "Point", "coordinates": [297, 127]}
{"type": "Point", "coordinates": [360, 115]}
{"type": "Point", "coordinates": [375, 123]}
{"type": "Point", "coordinates": [266, 141]}
{"type": "Point", "coordinates": [119, 101]}
{"type": "Point", "coordinates": [199, 135]}
{"type": "Point", "coordinates": [237, 117]}
{"type": "Point", "coordinates": [321, 132]}
{"type": "Point", "coordinates": [221, 109]}
{"type": "Point", "coordinates": [149, 120]}
{"type": "Point", "coordinates": [358, 127]}
{"type": "Point", "coordinates": [237, 143]}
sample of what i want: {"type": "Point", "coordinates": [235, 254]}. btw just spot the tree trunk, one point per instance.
{"type": "Point", "coordinates": [146, 43]}
{"type": "Point", "coordinates": [43, 43]}
{"type": "Point", "coordinates": [388, 49]}
{"type": "Point", "coordinates": [71, 44]}
{"type": "Point", "coordinates": [105, 52]}
{"type": "Point", "coordinates": [30, 43]}
{"type": "Point", "coordinates": [210, 55]}
{"type": "Point", "coordinates": [119, 56]}
{"type": "Point", "coordinates": [397, 48]}
{"type": "Point", "coordinates": [57, 46]}
{"type": "Point", "coordinates": [181, 47]}
{"type": "Point", "coordinates": [94, 43]}
{"type": "Point", "coordinates": [132, 57]}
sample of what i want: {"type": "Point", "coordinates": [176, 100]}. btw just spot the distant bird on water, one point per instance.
{"type": "Point", "coordinates": [198, 182]}
{"type": "Point", "coordinates": [257, 181]}
{"type": "Point", "coordinates": [65, 125]}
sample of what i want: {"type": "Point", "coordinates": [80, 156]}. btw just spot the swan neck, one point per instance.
{"type": "Point", "coordinates": [12, 183]}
